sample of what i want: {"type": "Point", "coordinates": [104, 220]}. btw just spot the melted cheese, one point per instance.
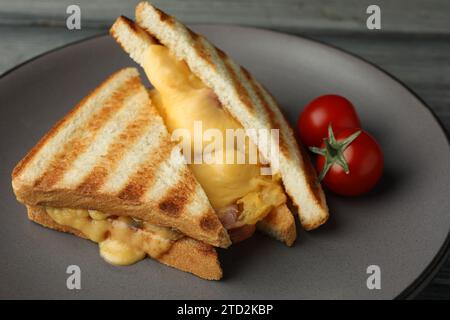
{"type": "Point", "coordinates": [182, 99]}
{"type": "Point", "coordinates": [119, 253]}
{"type": "Point", "coordinates": [122, 240]}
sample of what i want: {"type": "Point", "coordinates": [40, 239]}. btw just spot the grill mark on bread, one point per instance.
{"type": "Point", "coordinates": [198, 42]}
{"type": "Point", "coordinates": [270, 114]}
{"type": "Point", "coordinates": [289, 136]}
{"type": "Point", "coordinates": [84, 135]}
{"type": "Point", "coordinates": [94, 180]}
{"type": "Point", "coordinates": [242, 92]}
{"type": "Point", "coordinates": [193, 35]}
{"type": "Point", "coordinates": [116, 150]}
{"type": "Point", "coordinates": [165, 17]}
{"type": "Point", "coordinates": [19, 168]}
{"type": "Point", "coordinates": [129, 22]}
{"type": "Point", "coordinates": [179, 195]}
{"type": "Point", "coordinates": [209, 221]}
{"type": "Point", "coordinates": [144, 177]}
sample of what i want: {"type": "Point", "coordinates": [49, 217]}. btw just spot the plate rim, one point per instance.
{"type": "Point", "coordinates": [427, 275]}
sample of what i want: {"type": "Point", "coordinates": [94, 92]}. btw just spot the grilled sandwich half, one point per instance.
{"type": "Point", "coordinates": [166, 49]}
{"type": "Point", "coordinates": [109, 172]}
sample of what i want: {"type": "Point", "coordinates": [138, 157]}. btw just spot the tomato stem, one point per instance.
{"type": "Point", "coordinates": [334, 151]}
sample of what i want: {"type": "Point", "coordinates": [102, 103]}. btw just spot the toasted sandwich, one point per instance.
{"type": "Point", "coordinates": [109, 172]}
{"type": "Point", "coordinates": [195, 81]}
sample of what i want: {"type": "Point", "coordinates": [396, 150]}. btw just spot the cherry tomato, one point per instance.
{"type": "Point", "coordinates": [322, 111]}
{"type": "Point", "coordinates": [354, 151]}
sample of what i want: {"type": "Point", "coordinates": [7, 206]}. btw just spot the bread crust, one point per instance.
{"type": "Point", "coordinates": [186, 254]}
{"type": "Point", "coordinates": [279, 224]}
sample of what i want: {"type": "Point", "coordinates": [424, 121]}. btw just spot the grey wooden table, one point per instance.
{"type": "Point", "coordinates": [413, 43]}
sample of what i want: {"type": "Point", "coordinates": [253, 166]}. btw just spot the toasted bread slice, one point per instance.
{"type": "Point", "coordinates": [112, 153]}
{"type": "Point", "coordinates": [279, 224]}
{"type": "Point", "coordinates": [245, 99]}
{"type": "Point", "coordinates": [185, 254]}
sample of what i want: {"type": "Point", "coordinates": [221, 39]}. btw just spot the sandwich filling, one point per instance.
{"type": "Point", "coordinates": [238, 192]}
{"type": "Point", "coordinates": [122, 240]}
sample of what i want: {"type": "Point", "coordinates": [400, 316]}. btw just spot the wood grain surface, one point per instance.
{"type": "Point", "coordinates": [289, 15]}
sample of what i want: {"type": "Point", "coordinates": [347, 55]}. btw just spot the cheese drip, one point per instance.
{"type": "Point", "coordinates": [122, 240]}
